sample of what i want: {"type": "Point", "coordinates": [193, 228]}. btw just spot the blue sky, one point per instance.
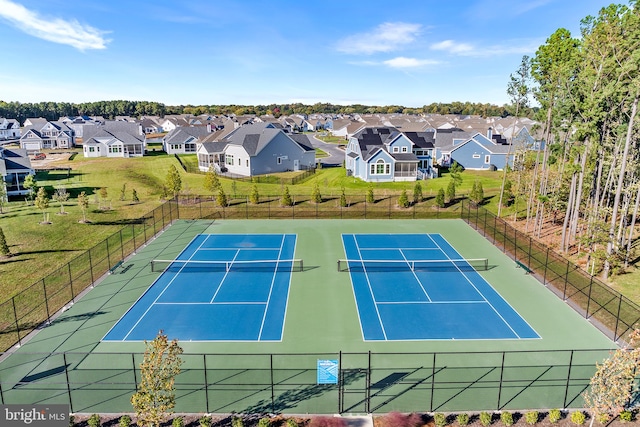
{"type": "Point", "coordinates": [202, 52]}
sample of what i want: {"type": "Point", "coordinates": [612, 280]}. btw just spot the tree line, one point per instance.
{"type": "Point", "coordinates": [111, 109]}
{"type": "Point", "coordinates": [587, 178]}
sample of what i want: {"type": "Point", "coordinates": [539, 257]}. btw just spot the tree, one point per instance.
{"type": "Point", "coordinates": [123, 192]}
{"type": "Point", "coordinates": [173, 181]}
{"type": "Point", "coordinates": [370, 196]}
{"type": "Point", "coordinates": [477, 193]}
{"type": "Point", "coordinates": [42, 203]}
{"type": "Point", "coordinates": [455, 172]}
{"type": "Point", "coordinates": [134, 196]}
{"type": "Point", "coordinates": [417, 192]}
{"type": "Point", "coordinates": [613, 385]}
{"type": "Point", "coordinates": [254, 197]}
{"type": "Point", "coordinates": [286, 197]}
{"type": "Point", "coordinates": [440, 198]}
{"type": "Point", "coordinates": [315, 194]}
{"type": "Point", "coordinates": [60, 196]}
{"type": "Point", "coordinates": [30, 184]}
{"type": "Point", "coordinates": [156, 398]}
{"type": "Point", "coordinates": [221, 198]}
{"type": "Point", "coordinates": [451, 191]}
{"type": "Point", "coordinates": [4, 247]}
{"type": "Point", "coordinates": [211, 181]}
{"type": "Point", "coordinates": [343, 198]}
{"type": "Point", "coordinates": [3, 195]}
{"type": "Point", "coordinates": [403, 200]}
{"type": "Point", "coordinates": [83, 202]}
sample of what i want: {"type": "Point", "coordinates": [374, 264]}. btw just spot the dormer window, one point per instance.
{"type": "Point", "coordinates": [405, 149]}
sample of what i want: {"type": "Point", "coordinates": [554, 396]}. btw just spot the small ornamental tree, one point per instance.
{"type": "Point", "coordinates": [613, 385]}
{"type": "Point", "coordinates": [31, 185]}
{"type": "Point", "coordinates": [83, 202]}
{"type": "Point", "coordinates": [417, 193]}
{"type": "Point", "coordinates": [60, 196]}
{"type": "Point", "coordinates": [221, 198]}
{"type": "Point", "coordinates": [477, 193]}
{"type": "Point", "coordinates": [286, 197]}
{"type": "Point", "coordinates": [4, 247]}
{"type": "Point", "coordinates": [343, 199]}
{"type": "Point", "coordinates": [451, 191]}
{"type": "Point", "coordinates": [370, 196]}
{"type": "Point", "coordinates": [134, 196]}
{"type": "Point", "coordinates": [156, 397]}
{"type": "Point", "coordinates": [42, 203]}
{"type": "Point", "coordinates": [211, 181]}
{"type": "Point", "coordinates": [123, 192]}
{"type": "Point", "coordinates": [315, 194]}
{"type": "Point", "coordinates": [3, 195]}
{"type": "Point", "coordinates": [173, 182]}
{"type": "Point", "coordinates": [403, 200]}
{"type": "Point", "coordinates": [254, 197]}
{"type": "Point", "coordinates": [440, 198]}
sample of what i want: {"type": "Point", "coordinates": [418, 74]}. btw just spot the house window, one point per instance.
{"type": "Point", "coordinates": [247, 162]}
{"type": "Point", "coordinates": [229, 159]}
{"type": "Point", "coordinates": [380, 168]}
{"type": "Point", "coordinates": [405, 149]}
{"type": "Point", "coordinates": [396, 149]}
{"type": "Point", "coordinates": [238, 162]}
{"type": "Point", "coordinates": [279, 160]}
{"type": "Point", "coordinates": [91, 149]}
{"type": "Point", "coordinates": [476, 156]}
{"type": "Point", "coordinates": [487, 159]}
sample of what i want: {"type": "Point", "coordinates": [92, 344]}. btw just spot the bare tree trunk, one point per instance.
{"type": "Point", "coordinates": [612, 244]}
{"type": "Point", "coordinates": [565, 225]}
{"type": "Point", "coordinates": [578, 199]}
{"type": "Point", "coordinates": [631, 228]}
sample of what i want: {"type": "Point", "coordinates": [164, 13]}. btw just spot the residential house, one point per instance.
{"type": "Point", "coordinates": [257, 149]}
{"type": "Point", "coordinates": [9, 128]}
{"type": "Point", "coordinates": [114, 139]}
{"type": "Point", "coordinates": [14, 167]}
{"type": "Point", "coordinates": [78, 123]}
{"type": "Point", "coordinates": [39, 134]}
{"type": "Point", "coordinates": [384, 154]}
{"type": "Point", "coordinates": [477, 152]}
{"type": "Point", "coordinates": [183, 140]}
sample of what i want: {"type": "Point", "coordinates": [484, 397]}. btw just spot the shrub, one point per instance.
{"type": "Point", "coordinates": [177, 422]}
{"type": "Point", "coordinates": [485, 418]}
{"type": "Point", "coordinates": [125, 421]}
{"type": "Point", "coordinates": [205, 421]}
{"type": "Point", "coordinates": [237, 422]}
{"type": "Point", "coordinates": [327, 422]}
{"type": "Point", "coordinates": [603, 418]}
{"type": "Point", "coordinates": [626, 416]}
{"type": "Point", "coordinates": [578, 418]}
{"type": "Point", "coordinates": [439, 419]}
{"type": "Point", "coordinates": [531, 417]}
{"type": "Point", "coordinates": [72, 420]}
{"type": "Point", "coordinates": [506, 418]}
{"type": "Point", "coordinates": [397, 419]}
{"type": "Point", "coordinates": [291, 423]}
{"type": "Point", "coordinates": [462, 419]}
{"type": "Point", "coordinates": [94, 420]}
{"type": "Point", "coordinates": [555, 415]}
{"type": "Point", "coordinates": [264, 422]}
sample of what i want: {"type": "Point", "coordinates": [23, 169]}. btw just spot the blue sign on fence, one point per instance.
{"type": "Point", "coordinates": [327, 371]}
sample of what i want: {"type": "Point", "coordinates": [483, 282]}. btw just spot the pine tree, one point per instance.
{"type": "Point", "coordinates": [440, 198]}
{"type": "Point", "coordinates": [42, 203]}
{"type": "Point", "coordinates": [315, 195]}
{"type": "Point", "coordinates": [403, 200]}
{"type": "Point", "coordinates": [479, 193]}
{"type": "Point", "coordinates": [286, 198]}
{"type": "Point", "coordinates": [222, 199]}
{"type": "Point", "coordinates": [30, 184]}
{"type": "Point", "coordinates": [417, 192]}
{"type": "Point", "coordinates": [173, 181]}
{"type": "Point", "coordinates": [370, 196]}
{"type": "Point", "coordinates": [4, 247]}
{"type": "Point", "coordinates": [343, 199]}
{"type": "Point", "coordinates": [156, 397]}
{"type": "Point", "coordinates": [451, 191]}
{"type": "Point", "coordinates": [254, 197]}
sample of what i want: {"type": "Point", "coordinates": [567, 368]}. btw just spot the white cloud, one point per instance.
{"type": "Point", "coordinates": [69, 32]}
{"type": "Point", "coordinates": [519, 47]}
{"type": "Point", "coordinates": [386, 37]}
{"type": "Point", "coordinates": [403, 62]}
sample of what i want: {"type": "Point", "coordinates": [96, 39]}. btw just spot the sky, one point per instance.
{"type": "Point", "coordinates": [204, 52]}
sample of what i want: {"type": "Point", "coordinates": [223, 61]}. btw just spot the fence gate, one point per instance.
{"type": "Point", "coordinates": [353, 381]}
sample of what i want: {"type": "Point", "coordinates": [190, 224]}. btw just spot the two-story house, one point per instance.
{"type": "Point", "coordinates": [39, 134]}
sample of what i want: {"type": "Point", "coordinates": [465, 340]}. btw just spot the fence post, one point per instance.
{"type": "Point", "coordinates": [433, 381]}
{"type": "Point", "coordinates": [133, 234]}
{"type": "Point", "coordinates": [546, 265]}
{"type": "Point", "coordinates": [206, 382]}
{"type": "Point", "coordinates": [91, 267]}
{"type": "Point", "coordinates": [46, 300]}
{"type": "Point", "coordinates": [73, 296]}
{"type": "Point", "coordinates": [15, 316]}
{"type": "Point", "coordinates": [1, 395]}
{"type": "Point", "coordinates": [367, 405]}
{"type": "Point", "coordinates": [340, 382]}
{"type": "Point", "coordinates": [530, 246]}
{"type": "Point", "coordinates": [273, 393]}
{"type": "Point", "coordinates": [121, 245]}
{"type": "Point", "coordinates": [108, 253]}
{"type": "Point", "coordinates": [615, 332]}
{"type": "Point", "coordinates": [566, 389]}
{"type": "Point", "coordinates": [66, 374]}
{"type": "Point", "coordinates": [589, 298]}
{"type": "Point", "coordinates": [501, 378]}
{"type": "Point", "coordinates": [133, 365]}
{"type": "Point", "coordinates": [566, 279]}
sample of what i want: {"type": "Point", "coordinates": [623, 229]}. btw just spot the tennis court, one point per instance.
{"type": "Point", "coordinates": [418, 287]}
{"type": "Point", "coordinates": [231, 287]}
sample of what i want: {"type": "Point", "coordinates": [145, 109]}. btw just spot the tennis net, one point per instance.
{"type": "Point", "coordinates": [429, 265]}
{"type": "Point", "coordinates": [194, 266]}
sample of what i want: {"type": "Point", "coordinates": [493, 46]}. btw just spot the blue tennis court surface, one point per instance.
{"type": "Point", "coordinates": [222, 287]}
{"type": "Point", "coordinates": [442, 298]}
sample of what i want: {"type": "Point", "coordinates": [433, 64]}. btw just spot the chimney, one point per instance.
{"type": "Point", "coordinates": [490, 132]}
